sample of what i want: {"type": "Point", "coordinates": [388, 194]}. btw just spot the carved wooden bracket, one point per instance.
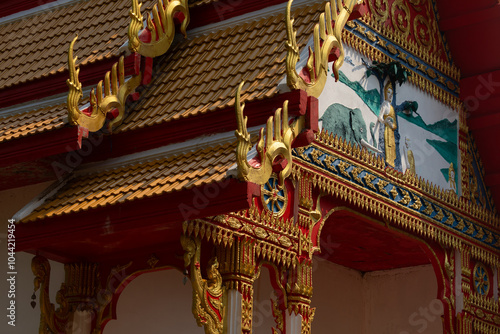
{"type": "Point", "coordinates": [208, 294]}
{"type": "Point", "coordinates": [52, 320]}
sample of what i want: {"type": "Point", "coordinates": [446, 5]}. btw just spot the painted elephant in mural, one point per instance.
{"type": "Point", "coordinates": [345, 122]}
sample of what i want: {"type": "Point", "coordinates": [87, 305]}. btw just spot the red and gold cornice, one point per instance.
{"type": "Point", "coordinates": [408, 202]}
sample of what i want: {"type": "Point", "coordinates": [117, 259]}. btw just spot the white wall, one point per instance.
{"type": "Point", "coordinates": [155, 303]}
{"type": "Point", "coordinates": [400, 301]}
{"type": "Point", "coordinates": [338, 298]}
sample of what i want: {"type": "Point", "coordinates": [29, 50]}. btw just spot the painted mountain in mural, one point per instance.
{"type": "Point", "coordinates": [442, 128]}
{"type": "Point", "coordinates": [371, 97]}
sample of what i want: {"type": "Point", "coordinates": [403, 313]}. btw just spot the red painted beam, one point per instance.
{"type": "Point", "coordinates": [484, 121]}
{"type": "Point", "coordinates": [9, 7]}
{"type": "Point", "coordinates": [481, 86]}
{"type": "Point", "coordinates": [147, 213]}
{"type": "Point", "coordinates": [39, 146]}
{"type": "Point", "coordinates": [90, 74]}
{"type": "Point", "coordinates": [481, 93]}
{"type": "Point", "coordinates": [492, 179]}
{"type": "Point", "coordinates": [225, 9]}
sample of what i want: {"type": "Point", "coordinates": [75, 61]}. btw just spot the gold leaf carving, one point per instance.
{"type": "Point", "coordinates": [233, 222]}
{"type": "Point", "coordinates": [461, 225]}
{"type": "Point", "coordinates": [406, 197]}
{"type": "Point", "coordinates": [449, 220]}
{"type": "Point", "coordinates": [208, 302]}
{"type": "Point", "coordinates": [394, 192]}
{"type": "Point", "coordinates": [381, 184]}
{"type": "Point", "coordinates": [343, 166]}
{"type": "Point", "coordinates": [51, 319]}
{"type": "Point", "coordinates": [418, 203]}
{"type": "Point", "coordinates": [428, 209]}
{"type": "Point", "coordinates": [355, 173]}
{"type": "Point", "coordinates": [470, 228]}
{"type": "Point", "coordinates": [260, 232]}
{"type": "Point", "coordinates": [480, 233]}
{"type": "Point", "coordinates": [285, 241]}
{"type": "Point", "coordinates": [368, 180]}
{"type": "Point", "coordinates": [439, 215]}
{"type": "Point", "coordinates": [392, 49]}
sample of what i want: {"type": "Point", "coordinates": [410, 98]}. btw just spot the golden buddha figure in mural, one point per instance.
{"type": "Point", "coordinates": [451, 177]}
{"type": "Point", "coordinates": [410, 159]}
{"type": "Point", "coordinates": [387, 116]}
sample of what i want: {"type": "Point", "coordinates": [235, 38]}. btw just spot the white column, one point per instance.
{"type": "Point", "coordinates": [293, 323]}
{"type": "Point", "coordinates": [233, 309]}
{"type": "Point", "coordinates": [82, 322]}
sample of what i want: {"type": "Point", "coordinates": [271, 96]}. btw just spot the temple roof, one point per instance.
{"type": "Point", "coordinates": [201, 74]}
{"type": "Point", "coordinates": [100, 25]}
{"type": "Point", "coordinates": [109, 186]}
{"type": "Point", "coordinates": [198, 75]}
{"type": "Point", "coordinates": [32, 122]}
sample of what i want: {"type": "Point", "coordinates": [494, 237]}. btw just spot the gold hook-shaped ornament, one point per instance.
{"type": "Point", "coordinates": [326, 37]}
{"type": "Point", "coordinates": [160, 25]}
{"type": "Point", "coordinates": [277, 143]}
{"type": "Point", "coordinates": [116, 91]}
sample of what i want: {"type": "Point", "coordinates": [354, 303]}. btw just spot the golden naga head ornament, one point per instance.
{"type": "Point", "coordinates": [160, 26]}
{"type": "Point", "coordinates": [277, 143]}
{"type": "Point", "coordinates": [114, 96]}
{"type": "Point", "coordinates": [327, 35]}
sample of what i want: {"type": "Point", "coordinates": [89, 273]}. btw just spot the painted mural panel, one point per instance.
{"type": "Point", "coordinates": [479, 193]}
{"type": "Point", "coordinates": [374, 106]}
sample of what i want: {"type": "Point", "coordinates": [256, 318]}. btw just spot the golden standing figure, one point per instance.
{"type": "Point", "coordinates": [387, 116]}
{"type": "Point", "coordinates": [409, 156]}
{"type": "Point", "coordinates": [451, 177]}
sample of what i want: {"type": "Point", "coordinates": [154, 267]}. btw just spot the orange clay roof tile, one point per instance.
{"type": "Point", "coordinates": [201, 74]}
{"type": "Point", "coordinates": [36, 46]}
{"type": "Point", "coordinates": [29, 123]}
{"type": "Point", "coordinates": [197, 76]}
{"type": "Point", "coordinates": [184, 171]}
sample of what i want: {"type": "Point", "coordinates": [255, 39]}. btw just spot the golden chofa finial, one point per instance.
{"type": "Point", "coordinates": [327, 35]}
{"type": "Point", "coordinates": [278, 140]}
{"type": "Point", "coordinates": [115, 94]}
{"type": "Point", "coordinates": [160, 25]}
